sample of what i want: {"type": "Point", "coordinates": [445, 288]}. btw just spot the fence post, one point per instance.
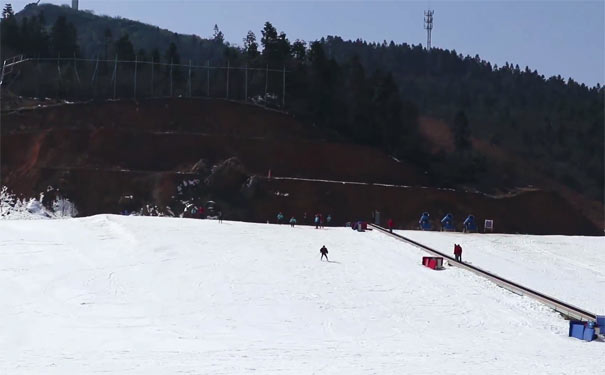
{"type": "Point", "coordinates": [93, 78]}
{"type": "Point", "coordinates": [246, 83]}
{"type": "Point", "coordinates": [152, 67]}
{"type": "Point", "coordinates": [136, 60]}
{"type": "Point", "coordinates": [283, 95]}
{"type": "Point", "coordinates": [208, 80]}
{"type": "Point", "coordinates": [171, 78]}
{"type": "Point", "coordinates": [39, 75]}
{"type": "Point", "coordinates": [58, 74]}
{"type": "Point", "coordinates": [94, 73]}
{"type": "Point", "coordinates": [76, 69]}
{"type": "Point", "coordinates": [227, 79]}
{"type": "Point", "coordinates": [115, 76]}
{"type": "Point", "coordinates": [189, 79]}
{"type": "Point", "coordinates": [59, 68]}
{"type": "Point", "coordinates": [266, 80]}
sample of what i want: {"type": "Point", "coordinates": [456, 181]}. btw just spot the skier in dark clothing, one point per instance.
{"type": "Point", "coordinates": [324, 252]}
{"type": "Point", "coordinates": [220, 216]}
{"type": "Point", "coordinates": [458, 252]}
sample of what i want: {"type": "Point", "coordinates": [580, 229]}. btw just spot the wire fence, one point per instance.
{"type": "Point", "coordinates": [80, 78]}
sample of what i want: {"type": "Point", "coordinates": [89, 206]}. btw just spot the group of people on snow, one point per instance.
{"type": "Point", "coordinates": [318, 220]}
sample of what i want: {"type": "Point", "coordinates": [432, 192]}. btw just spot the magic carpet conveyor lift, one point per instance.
{"type": "Point", "coordinates": [564, 308]}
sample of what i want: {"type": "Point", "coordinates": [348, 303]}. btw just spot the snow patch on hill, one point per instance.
{"type": "Point", "coordinates": [14, 208]}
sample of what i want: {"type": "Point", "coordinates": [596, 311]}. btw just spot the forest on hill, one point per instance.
{"type": "Point", "coordinates": [369, 93]}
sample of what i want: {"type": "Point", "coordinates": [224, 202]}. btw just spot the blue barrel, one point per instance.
{"type": "Point", "coordinates": [576, 329]}
{"type": "Point", "coordinates": [588, 334]}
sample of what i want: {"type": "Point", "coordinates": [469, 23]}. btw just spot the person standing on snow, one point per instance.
{"type": "Point", "coordinates": [316, 221]}
{"type": "Point", "coordinates": [220, 216]}
{"type": "Point", "coordinates": [292, 221]}
{"type": "Point", "coordinates": [280, 218]}
{"type": "Point", "coordinates": [324, 253]}
{"type": "Point", "coordinates": [458, 252]}
{"type": "Point", "coordinates": [390, 225]}
{"type": "Point", "coordinates": [329, 219]}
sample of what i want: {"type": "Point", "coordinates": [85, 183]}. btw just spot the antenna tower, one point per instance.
{"type": "Point", "coordinates": [428, 25]}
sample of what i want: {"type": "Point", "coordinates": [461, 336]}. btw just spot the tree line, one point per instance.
{"type": "Point", "coordinates": [373, 93]}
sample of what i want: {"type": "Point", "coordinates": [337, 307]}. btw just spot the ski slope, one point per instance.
{"type": "Point", "coordinates": [570, 268]}
{"type": "Point", "coordinates": [142, 295]}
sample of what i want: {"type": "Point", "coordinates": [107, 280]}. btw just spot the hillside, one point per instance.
{"type": "Point", "coordinates": [93, 41]}
{"type": "Point", "coordinates": [154, 296]}
{"type": "Point", "coordinates": [556, 126]}
{"type": "Point", "coordinates": [171, 153]}
{"type": "Point", "coordinates": [376, 113]}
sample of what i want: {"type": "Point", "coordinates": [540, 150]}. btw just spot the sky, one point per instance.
{"type": "Point", "coordinates": [564, 38]}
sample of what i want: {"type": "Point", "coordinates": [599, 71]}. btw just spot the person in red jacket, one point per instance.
{"type": "Point", "coordinates": [390, 225]}
{"type": "Point", "coordinates": [458, 252]}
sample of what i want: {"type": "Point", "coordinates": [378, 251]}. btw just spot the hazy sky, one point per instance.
{"type": "Point", "coordinates": [554, 37]}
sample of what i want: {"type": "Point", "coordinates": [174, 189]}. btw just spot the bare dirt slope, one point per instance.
{"type": "Point", "coordinates": [96, 153]}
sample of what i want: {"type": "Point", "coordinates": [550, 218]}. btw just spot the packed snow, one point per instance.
{"type": "Point", "coordinates": [143, 295]}
{"type": "Point", "coordinates": [570, 268]}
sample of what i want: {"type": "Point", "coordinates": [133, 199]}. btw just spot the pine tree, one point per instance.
{"type": "Point", "coordinates": [63, 38]}
{"type": "Point", "coordinates": [124, 48]}
{"type": "Point", "coordinates": [462, 132]}
{"type": "Point", "coordinates": [9, 29]}
{"type": "Point", "coordinates": [172, 54]}
{"type": "Point", "coordinates": [217, 35]}
{"type": "Point", "coordinates": [276, 47]}
{"type": "Point", "coordinates": [107, 40]}
{"type": "Point", "coordinates": [8, 12]}
{"type": "Point", "coordinates": [250, 45]}
{"type": "Point", "coordinates": [155, 56]}
{"type": "Point", "coordinates": [299, 50]}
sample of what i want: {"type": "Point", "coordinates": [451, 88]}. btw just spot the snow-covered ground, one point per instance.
{"type": "Point", "coordinates": [142, 295]}
{"type": "Point", "coordinates": [570, 268]}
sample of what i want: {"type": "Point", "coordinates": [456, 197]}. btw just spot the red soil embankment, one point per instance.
{"type": "Point", "coordinates": [96, 153]}
{"type": "Point", "coordinates": [533, 212]}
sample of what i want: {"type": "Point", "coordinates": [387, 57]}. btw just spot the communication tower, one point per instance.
{"type": "Point", "coordinates": [428, 25]}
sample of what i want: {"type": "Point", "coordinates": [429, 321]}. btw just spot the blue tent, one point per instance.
{"type": "Point", "coordinates": [447, 223]}
{"type": "Point", "coordinates": [469, 224]}
{"type": "Point", "coordinates": [424, 222]}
